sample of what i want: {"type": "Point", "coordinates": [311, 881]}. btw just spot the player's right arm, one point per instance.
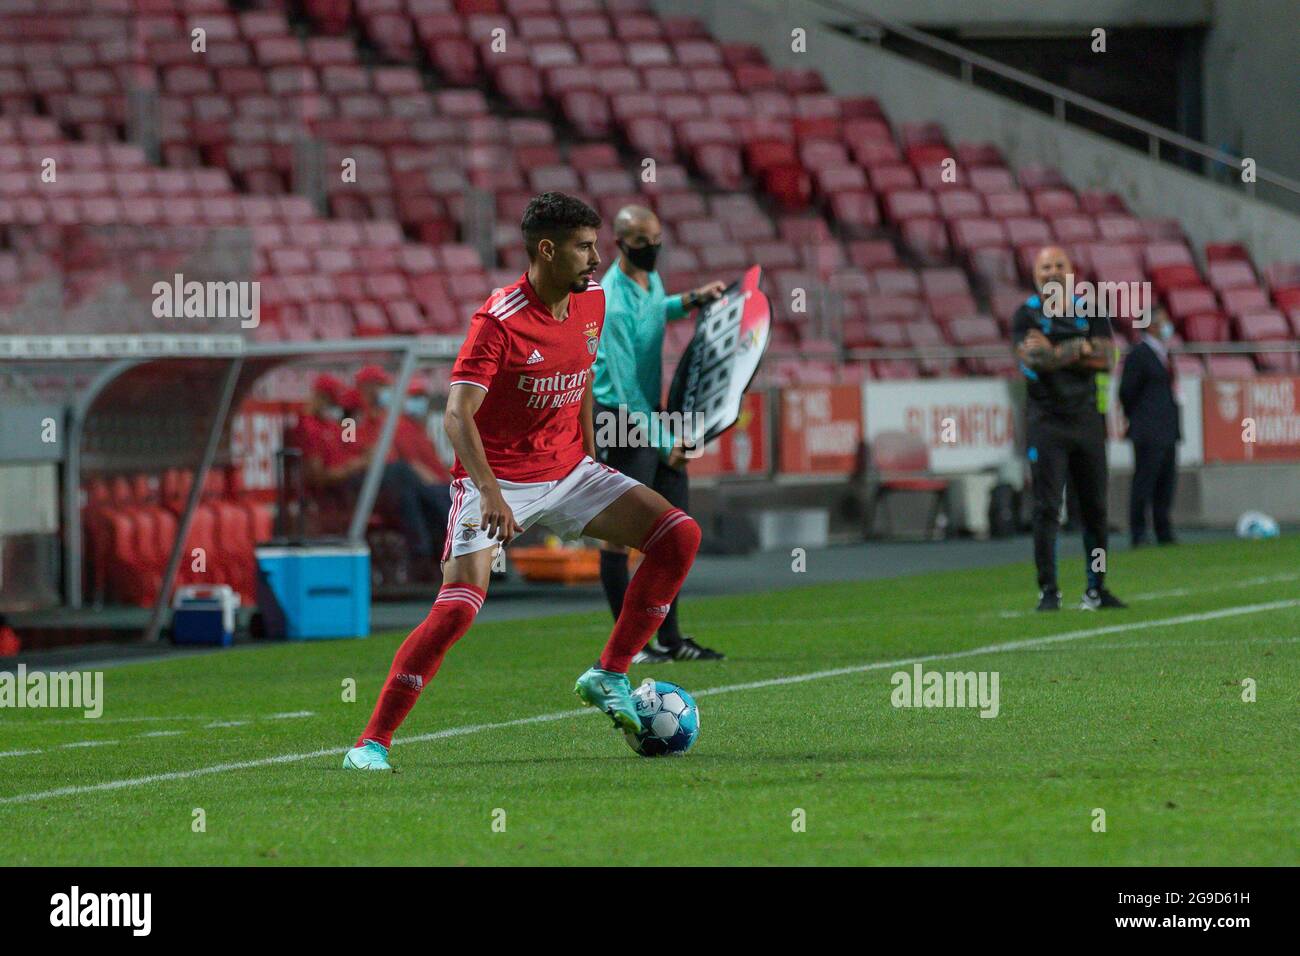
{"type": "Point", "coordinates": [463, 402]}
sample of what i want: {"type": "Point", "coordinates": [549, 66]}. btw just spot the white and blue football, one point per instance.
{"type": "Point", "coordinates": [1255, 525]}
{"type": "Point", "coordinates": [670, 721]}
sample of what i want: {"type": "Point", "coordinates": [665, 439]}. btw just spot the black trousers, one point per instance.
{"type": "Point", "coordinates": [1057, 446]}
{"type": "Point", "coordinates": [1155, 475]}
{"type": "Point", "coordinates": [647, 466]}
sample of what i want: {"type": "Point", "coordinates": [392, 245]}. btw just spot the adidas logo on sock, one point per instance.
{"type": "Point", "coordinates": [414, 681]}
{"type": "Point", "coordinates": [659, 610]}
{"type": "Point", "coordinates": [535, 357]}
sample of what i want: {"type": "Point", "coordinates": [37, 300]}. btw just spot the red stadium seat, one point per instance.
{"type": "Point", "coordinates": [1244, 300]}
{"type": "Point", "coordinates": [1230, 274]}
{"type": "Point", "coordinates": [1184, 302]}
{"type": "Point", "coordinates": [961, 204]}
{"type": "Point", "coordinates": [905, 204]}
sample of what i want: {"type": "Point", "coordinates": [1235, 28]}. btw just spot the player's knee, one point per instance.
{"type": "Point", "coordinates": [683, 539]}
{"type": "Point", "coordinates": [458, 605]}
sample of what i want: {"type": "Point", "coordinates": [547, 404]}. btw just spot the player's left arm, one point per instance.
{"type": "Point", "coordinates": [585, 419]}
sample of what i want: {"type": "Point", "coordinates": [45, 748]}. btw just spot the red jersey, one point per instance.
{"type": "Point", "coordinates": [535, 371]}
{"type": "Point", "coordinates": [318, 438]}
{"type": "Point", "coordinates": [369, 429]}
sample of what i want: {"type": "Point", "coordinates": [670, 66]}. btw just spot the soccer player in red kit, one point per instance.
{"type": "Point", "coordinates": [519, 415]}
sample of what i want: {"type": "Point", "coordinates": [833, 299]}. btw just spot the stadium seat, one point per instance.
{"type": "Point", "coordinates": [902, 462]}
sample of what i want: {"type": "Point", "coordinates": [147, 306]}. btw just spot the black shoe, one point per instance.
{"type": "Point", "coordinates": [1049, 599]}
{"type": "Point", "coordinates": [652, 653]}
{"type": "Point", "coordinates": [1099, 599]}
{"type": "Point", "coordinates": [688, 650]}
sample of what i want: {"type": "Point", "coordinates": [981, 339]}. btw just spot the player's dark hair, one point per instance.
{"type": "Point", "coordinates": [553, 216]}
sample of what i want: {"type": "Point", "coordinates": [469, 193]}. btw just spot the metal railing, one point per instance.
{"type": "Point", "coordinates": [876, 28]}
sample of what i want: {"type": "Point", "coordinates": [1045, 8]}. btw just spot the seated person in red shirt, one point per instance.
{"type": "Point", "coordinates": [413, 443]}
{"type": "Point", "coordinates": [411, 476]}
{"type": "Point", "coordinates": [327, 461]}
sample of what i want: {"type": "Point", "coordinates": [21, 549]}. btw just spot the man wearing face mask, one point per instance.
{"type": "Point", "coordinates": [318, 436]}
{"type": "Point", "coordinates": [1060, 355]}
{"type": "Point", "coordinates": [629, 376]}
{"type": "Point", "coordinates": [1146, 391]}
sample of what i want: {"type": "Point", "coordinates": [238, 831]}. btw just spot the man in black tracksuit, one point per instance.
{"type": "Point", "coordinates": [1060, 355]}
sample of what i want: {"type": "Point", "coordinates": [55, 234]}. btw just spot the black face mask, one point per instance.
{"type": "Point", "coordinates": [643, 258]}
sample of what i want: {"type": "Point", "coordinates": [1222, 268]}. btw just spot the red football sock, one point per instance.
{"type": "Point", "coordinates": [419, 657]}
{"type": "Point", "coordinates": [669, 550]}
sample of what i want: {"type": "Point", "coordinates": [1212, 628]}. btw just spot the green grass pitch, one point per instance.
{"type": "Point", "coordinates": [1145, 721]}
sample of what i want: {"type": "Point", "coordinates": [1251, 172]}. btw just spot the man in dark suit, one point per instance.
{"type": "Point", "coordinates": [1146, 391]}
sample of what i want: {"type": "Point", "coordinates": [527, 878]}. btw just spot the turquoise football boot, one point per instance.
{"type": "Point", "coordinates": [369, 756]}
{"type": "Point", "coordinates": [611, 694]}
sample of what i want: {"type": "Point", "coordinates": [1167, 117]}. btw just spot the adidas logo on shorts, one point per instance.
{"type": "Point", "coordinates": [535, 358]}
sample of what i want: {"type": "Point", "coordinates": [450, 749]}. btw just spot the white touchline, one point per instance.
{"type": "Point", "coordinates": [89, 743]}
{"type": "Point", "coordinates": [1146, 645]}
{"type": "Point", "coordinates": [175, 717]}
{"type": "Point", "coordinates": [1027, 643]}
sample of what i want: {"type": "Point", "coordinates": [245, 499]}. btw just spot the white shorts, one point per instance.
{"type": "Point", "coordinates": [565, 506]}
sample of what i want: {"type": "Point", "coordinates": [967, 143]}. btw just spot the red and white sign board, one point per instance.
{"type": "Point", "coordinates": [741, 449]}
{"type": "Point", "coordinates": [968, 424]}
{"type": "Point", "coordinates": [1256, 419]}
{"type": "Point", "coordinates": [821, 427]}
{"type": "Point", "coordinates": [256, 434]}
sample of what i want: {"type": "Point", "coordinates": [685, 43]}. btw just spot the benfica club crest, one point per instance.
{"type": "Point", "coordinates": [592, 332]}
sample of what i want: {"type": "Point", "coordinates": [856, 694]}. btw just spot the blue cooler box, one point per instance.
{"type": "Point", "coordinates": [310, 591]}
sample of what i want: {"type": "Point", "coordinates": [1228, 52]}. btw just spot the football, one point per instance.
{"type": "Point", "coordinates": [670, 721]}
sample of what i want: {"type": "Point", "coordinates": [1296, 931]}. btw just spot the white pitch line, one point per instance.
{"type": "Point", "coordinates": [290, 716]}
{"type": "Point", "coordinates": [89, 743]}
{"type": "Point", "coordinates": [19, 753]}
{"type": "Point", "coordinates": [128, 720]}
{"type": "Point", "coordinates": [224, 723]}
{"type": "Point", "coordinates": [1007, 646]}
{"type": "Point", "coordinates": [1143, 645]}
{"type": "Point", "coordinates": [163, 733]}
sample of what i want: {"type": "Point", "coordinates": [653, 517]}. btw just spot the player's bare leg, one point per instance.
{"type": "Point", "coordinates": [669, 539]}
{"type": "Point", "coordinates": [464, 586]}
